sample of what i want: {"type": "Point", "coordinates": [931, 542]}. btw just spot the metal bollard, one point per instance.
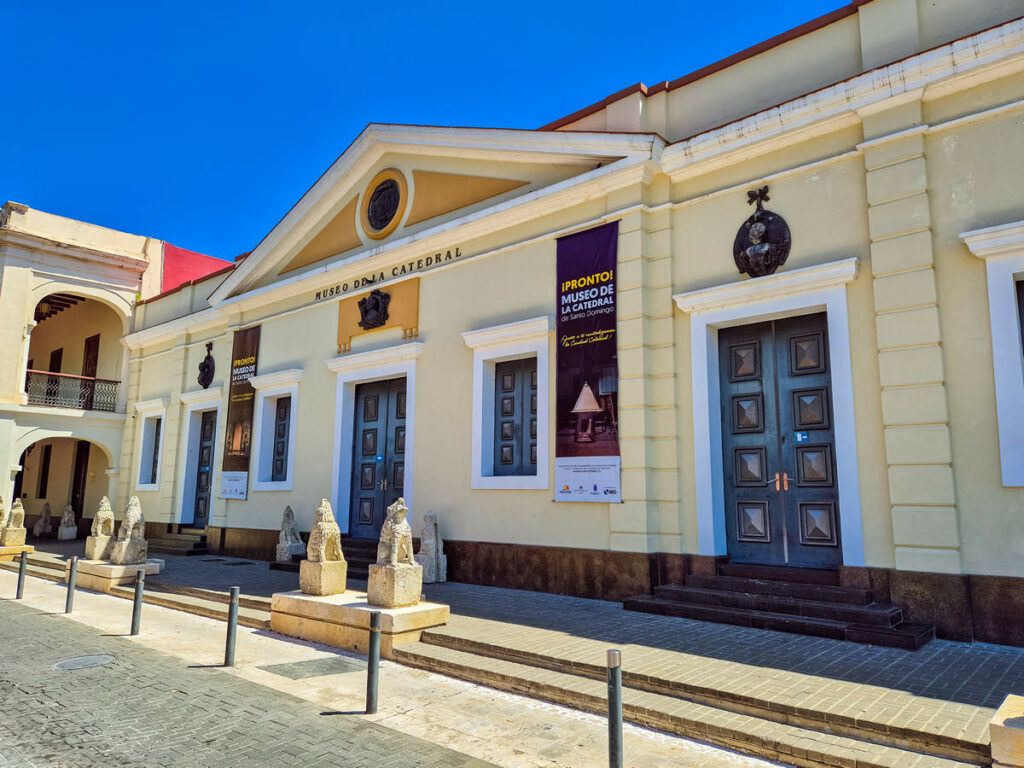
{"type": "Point", "coordinates": [22, 565]}
{"type": "Point", "coordinates": [72, 577]}
{"type": "Point", "coordinates": [140, 584]}
{"type": "Point", "coordinates": [373, 664]}
{"type": "Point", "coordinates": [229, 650]}
{"type": "Point", "coordinates": [614, 709]}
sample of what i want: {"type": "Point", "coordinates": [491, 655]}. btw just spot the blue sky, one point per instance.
{"type": "Point", "coordinates": [201, 123]}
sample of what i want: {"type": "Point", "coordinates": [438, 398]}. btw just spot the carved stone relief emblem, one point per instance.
{"type": "Point", "coordinates": [373, 310]}
{"type": "Point", "coordinates": [762, 243]}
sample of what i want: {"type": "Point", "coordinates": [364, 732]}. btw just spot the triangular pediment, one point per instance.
{"type": "Point", "coordinates": [396, 184]}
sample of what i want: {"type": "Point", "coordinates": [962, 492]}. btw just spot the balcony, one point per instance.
{"type": "Point", "coordinates": [62, 390]}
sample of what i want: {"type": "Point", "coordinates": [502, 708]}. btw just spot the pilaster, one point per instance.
{"type": "Point", "coordinates": [922, 494]}
{"type": "Point", "coordinates": [648, 518]}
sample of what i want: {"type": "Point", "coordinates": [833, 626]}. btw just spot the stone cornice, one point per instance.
{"type": "Point", "coordinates": [771, 287]}
{"type": "Point", "coordinates": [837, 105]}
{"type": "Point", "coordinates": [993, 242]}
{"type": "Point", "coordinates": [510, 333]}
{"type": "Point", "coordinates": [276, 379]}
{"type": "Point", "coordinates": [375, 358]}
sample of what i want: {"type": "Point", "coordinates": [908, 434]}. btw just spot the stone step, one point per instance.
{"type": "Point", "coordinates": [875, 614]}
{"type": "Point", "coordinates": [830, 594]}
{"type": "Point", "coordinates": [198, 538]}
{"type": "Point", "coordinates": [49, 574]}
{"type": "Point", "coordinates": [163, 547]}
{"type": "Point", "coordinates": [907, 636]}
{"type": "Point", "coordinates": [767, 703]}
{"type": "Point", "coordinates": [780, 573]}
{"type": "Point", "coordinates": [211, 609]}
{"type": "Point", "coordinates": [256, 602]}
{"type": "Point", "coordinates": [744, 733]}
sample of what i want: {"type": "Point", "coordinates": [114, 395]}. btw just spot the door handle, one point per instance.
{"type": "Point", "coordinates": [785, 481]}
{"type": "Point", "coordinates": [777, 481]}
{"type": "Point", "coordinates": [383, 483]}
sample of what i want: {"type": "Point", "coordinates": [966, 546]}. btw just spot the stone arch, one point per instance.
{"type": "Point", "coordinates": [100, 478]}
{"type": "Point", "coordinates": [115, 300]}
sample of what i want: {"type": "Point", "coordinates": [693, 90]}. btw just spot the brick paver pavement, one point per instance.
{"type": "Point", "coordinates": [146, 710]}
{"type": "Point", "coordinates": [946, 688]}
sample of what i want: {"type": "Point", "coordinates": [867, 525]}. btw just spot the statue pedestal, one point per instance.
{"type": "Point", "coordinates": [343, 621]}
{"type": "Point", "coordinates": [12, 537]}
{"type": "Point", "coordinates": [326, 578]}
{"type": "Point", "coordinates": [435, 567]}
{"type": "Point", "coordinates": [1007, 732]}
{"type": "Point", "coordinates": [129, 551]}
{"type": "Point", "coordinates": [102, 577]}
{"type": "Point", "coordinates": [98, 547]}
{"type": "Point", "coordinates": [13, 552]}
{"type": "Point", "coordinates": [394, 586]}
{"type": "Point", "coordinates": [67, 532]}
{"type": "Point", "coordinates": [284, 552]}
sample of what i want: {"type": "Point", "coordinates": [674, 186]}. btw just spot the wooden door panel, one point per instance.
{"type": "Point", "coordinates": [378, 462]}
{"type": "Point", "coordinates": [204, 469]}
{"type": "Point", "coordinates": [754, 518]}
{"type": "Point", "coordinates": [807, 441]}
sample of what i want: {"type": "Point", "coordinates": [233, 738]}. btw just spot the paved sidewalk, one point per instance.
{"type": "Point", "coordinates": [147, 709]}
{"type": "Point", "coordinates": [946, 688]}
{"type": "Point", "coordinates": [499, 728]}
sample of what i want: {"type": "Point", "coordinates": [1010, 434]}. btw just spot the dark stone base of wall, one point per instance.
{"type": "Point", "coordinates": [243, 542]}
{"type": "Point", "coordinates": [967, 608]}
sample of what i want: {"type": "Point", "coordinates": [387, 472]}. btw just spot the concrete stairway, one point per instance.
{"type": "Point", "coordinates": [797, 736]}
{"type": "Point", "coordinates": [805, 601]}
{"type": "Point", "coordinates": [188, 541]}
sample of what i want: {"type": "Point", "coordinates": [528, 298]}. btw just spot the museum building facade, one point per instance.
{"type": "Point", "coordinates": [769, 313]}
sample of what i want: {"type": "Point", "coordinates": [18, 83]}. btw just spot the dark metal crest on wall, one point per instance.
{"type": "Point", "coordinates": [206, 367]}
{"type": "Point", "coordinates": [373, 309]}
{"type": "Point", "coordinates": [384, 202]}
{"type": "Point", "coordinates": [763, 242]}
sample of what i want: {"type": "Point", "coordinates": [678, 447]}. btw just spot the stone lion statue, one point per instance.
{"type": "Point", "coordinates": [17, 517]}
{"type": "Point", "coordinates": [289, 542]}
{"type": "Point", "coordinates": [134, 524]}
{"type": "Point", "coordinates": [103, 522]}
{"type": "Point", "coordinates": [5, 515]}
{"type": "Point", "coordinates": [395, 537]}
{"type": "Point", "coordinates": [43, 524]}
{"type": "Point", "coordinates": [325, 537]}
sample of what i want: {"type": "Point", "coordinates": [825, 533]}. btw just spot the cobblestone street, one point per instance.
{"type": "Point", "coordinates": [147, 709]}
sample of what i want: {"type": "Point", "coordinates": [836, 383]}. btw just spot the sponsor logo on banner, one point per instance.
{"type": "Point", "coordinates": [587, 463]}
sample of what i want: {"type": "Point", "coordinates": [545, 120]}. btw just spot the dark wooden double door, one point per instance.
{"type": "Point", "coordinates": [378, 454]}
{"type": "Point", "coordinates": [781, 494]}
{"type": "Point", "coordinates": [204, 469]}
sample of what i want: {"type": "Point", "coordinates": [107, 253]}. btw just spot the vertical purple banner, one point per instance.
{"type": "Point", "coordinates": [587, 460]}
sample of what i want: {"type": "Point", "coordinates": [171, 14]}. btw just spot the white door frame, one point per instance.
{"type": "Point", "coordinates": [196, 403]}
{"type": "Point", "coordinates": [377, 365]}
{"type": "Point", "coordinates": [796, 292]}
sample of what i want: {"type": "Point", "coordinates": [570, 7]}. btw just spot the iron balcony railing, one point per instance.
{"type": "Point", "coordinates": [62, 390]}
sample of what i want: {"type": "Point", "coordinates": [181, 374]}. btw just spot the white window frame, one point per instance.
{"type": "Point", "coordinates": [269, 387]}
{"type": "Point", "coordinates": [1002, 249]}
{"type": "Point", "coordinates": [512, 341]}
{"type": "Point", "coordinates": [196, 403]}
{"type": "Point", "coordinates": [145, 411]}
{"type": "Point", "coordinates": [795, 292]}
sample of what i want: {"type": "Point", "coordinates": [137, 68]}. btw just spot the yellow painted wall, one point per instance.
{"type": "Point", "coordinates": [975, 188]}
{"type": "Point", "coordinates": [69, 329]}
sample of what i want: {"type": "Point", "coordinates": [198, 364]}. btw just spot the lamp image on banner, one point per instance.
{"type": "Point", "coordinates": [587, 460]}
